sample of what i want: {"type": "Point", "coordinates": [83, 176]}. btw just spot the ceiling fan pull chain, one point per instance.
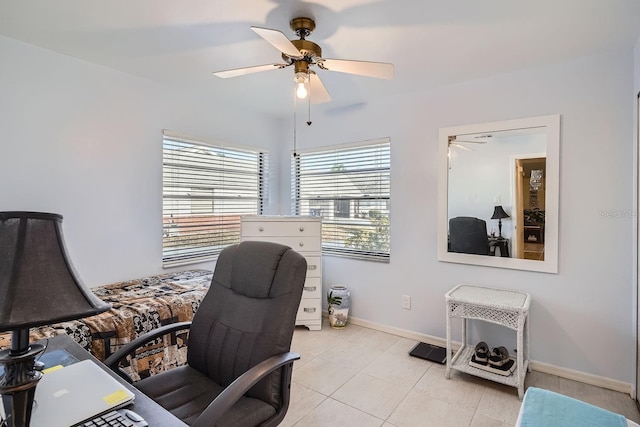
{"type": "Point", "coordinates": [309, 102]}
{"type": "Point", "coordinates": [295, 107]}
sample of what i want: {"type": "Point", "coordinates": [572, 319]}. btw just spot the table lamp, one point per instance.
{"type": "Point", "coordinates": [499, 213]}
{"type": "Point", "coordinates": [38, 286]}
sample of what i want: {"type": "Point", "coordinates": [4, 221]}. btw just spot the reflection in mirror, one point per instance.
{"type": "Point", "coordinates": [481, 185]}
{"type": "Point", "coordinates": [498, 194]}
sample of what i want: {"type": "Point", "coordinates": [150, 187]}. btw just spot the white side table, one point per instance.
{"type": "Point", "coordinates": [503, 307]}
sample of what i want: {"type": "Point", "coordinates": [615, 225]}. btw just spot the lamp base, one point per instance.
{"type": "Point", "coordinates": [18, 384]}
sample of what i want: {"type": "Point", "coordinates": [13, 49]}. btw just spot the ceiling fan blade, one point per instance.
{"type": "Point", "coordinates": [317, 91]}
{"type": "Point", "coordinates": [247, 70]}
{"type": "Point", "coordinates": [478, 140]}
{"type": "Point", "coordinates": [381, 70]}
{"type": "Point", "coordinates": [471, 142]}
{"type": "Point", "coordinates": [460, 146]}
{"type": "Point", "coordinates": [278, 40]}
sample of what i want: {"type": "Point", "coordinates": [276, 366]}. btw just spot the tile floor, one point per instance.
{"type": "Point", "coordinates": [361, 377]}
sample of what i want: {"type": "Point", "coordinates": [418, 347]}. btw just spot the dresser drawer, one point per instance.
{"type": "Point", "coordinates": [314, 266]}
{"type": "Point", "coordinates": [312, 288]}
{"type": "Point", "coordinates": [298, 244]}
{"type": "Point", "coordinates": [309, 309]}
{"type": "Point", "coordinates": [281, 228]}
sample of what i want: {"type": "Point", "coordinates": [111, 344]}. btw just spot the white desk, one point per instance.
{"type": "Point", "coordinates": [503, 307]}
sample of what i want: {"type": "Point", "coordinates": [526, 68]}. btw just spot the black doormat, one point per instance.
{"type": "Point", "coordinates": [430, 352]}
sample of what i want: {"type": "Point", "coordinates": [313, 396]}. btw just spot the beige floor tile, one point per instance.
{"type": "Point", "coordinates": [310, 345]}
{"type": "Point", "coordinates": [302, 361]}
{"type": "Point", "coordinates": [356, 355]}
{"type": "Point", "coordinates": [331, 413]}
{"type": "Point", "coordinates": [585, 392]}
{"type": "Point", "coordinates": [542, 380]}
{"type": "Point", "coordinates": [499, 402]}
{"type": "Point", "coordinates": [403, 346]}
{"type": "Point", "coordinates": [303, 401]}
{"type": "Point", "coordinates": [397, 367]}
{"type": "Point", "coordinates": [374, 339]}
{"type": "Point", "coordinates": [621, 403]}
{"type": "Point", "coordinates": [480, 420]}
{"type": "Point", "coordinates": [348, 331]}
{"type": "Point", "coordinates": [339, 334]}
{"type": "Point", "coordinates": [421, 410]}
{"type": "Point", "coordinates": [336, 333]}
{"type": "Point", "coordinates": [461, 390]}
{"type": "Point", "coordinates": [371, 395]}
{"type": "Point", "coordinates": [324, 376]}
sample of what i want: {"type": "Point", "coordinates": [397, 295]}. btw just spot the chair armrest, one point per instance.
{"type": "Point", "coordinates": [231, 394]}
{"type": "Point", "coordinates": [113, 361]}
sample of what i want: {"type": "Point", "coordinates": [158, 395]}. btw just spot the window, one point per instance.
{"type": "Point", "coordinates": [205, 190]}
{"type": "Point", "coordinates": [341, 208]}
{"type": "Point", "coordinates": [349, 186]}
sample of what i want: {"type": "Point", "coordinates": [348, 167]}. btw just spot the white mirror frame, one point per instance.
{"type": "Point", "coordinates": [551, 124]}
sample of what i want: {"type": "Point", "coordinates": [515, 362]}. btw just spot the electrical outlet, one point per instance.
{"type": "Point", "coordinates": [406, 302]}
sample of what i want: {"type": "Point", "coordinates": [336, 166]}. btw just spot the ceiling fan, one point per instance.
{"type": "Point", "coordinates": [478, 139]}
{"type": "Point", "coordinates": [303, 54]}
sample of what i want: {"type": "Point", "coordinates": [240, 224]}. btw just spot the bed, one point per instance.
{"type": "Point", "coordinates": [138, 306]}
{"type": "Point", "coordinates": [542, 408]}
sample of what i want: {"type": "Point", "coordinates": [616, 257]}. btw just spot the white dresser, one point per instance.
{"type": "Point", "coordinates": [304, 235]}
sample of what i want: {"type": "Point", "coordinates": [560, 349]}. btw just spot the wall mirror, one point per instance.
{"type": "Point", "coordinates": [498, 194]}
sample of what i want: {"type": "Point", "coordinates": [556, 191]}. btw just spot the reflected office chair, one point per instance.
{"type": "Point", "coordinates": [468, 235]}
{"type": "Point", "coordinates": [239, 364]}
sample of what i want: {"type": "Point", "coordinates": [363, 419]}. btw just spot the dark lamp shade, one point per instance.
{"type": "Point", "coordinates": [499, 213]}
{"type": "Point", "coordinates": [38, 284]}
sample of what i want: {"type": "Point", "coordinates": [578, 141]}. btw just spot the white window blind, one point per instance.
{"type": "Point", "coordinates": [349, 186]}
{"type": "Point", "coordinates": [205, 190]}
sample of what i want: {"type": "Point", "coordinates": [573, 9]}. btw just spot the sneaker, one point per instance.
{"type": "Point", "coordinates": [499, 357]}
{"type": "Point", "coordinates": [481, 354]}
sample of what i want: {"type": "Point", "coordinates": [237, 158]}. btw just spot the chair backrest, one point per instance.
{"type": "Point", "coordinates": [248, 314]}
{"type": "Point", "coordinates": [468, 235]}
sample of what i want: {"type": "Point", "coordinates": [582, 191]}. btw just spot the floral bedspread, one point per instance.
{"type": "Point", "coordinates": [138, 307]}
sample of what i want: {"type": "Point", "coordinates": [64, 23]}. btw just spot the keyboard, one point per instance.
{"type": "Point", "coordinates": [118, 418]}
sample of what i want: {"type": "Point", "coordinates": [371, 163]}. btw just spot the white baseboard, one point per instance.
{"type": "Point", "coordinates": [546, 368]}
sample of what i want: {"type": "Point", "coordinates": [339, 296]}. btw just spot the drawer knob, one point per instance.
{"type": "Point", "coordinates": [312, 267]}
{"type": "Point", "coordinates": [301, 228]}
{"type": "Point", "coordinates": [261, 229]}
{"type": "Point", "coordinates": [301, 243]}
{"type": "Point", "coordinates": [309, 309]}
{"type": "Point", "coordinates": [310, 288]}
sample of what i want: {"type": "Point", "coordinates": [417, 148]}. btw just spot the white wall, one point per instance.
{"type": "Point", "coordinates": [86, 142]}
{"type": "Point", "coordinates": [582, 317]}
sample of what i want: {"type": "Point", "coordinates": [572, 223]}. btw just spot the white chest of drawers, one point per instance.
{"type": "Point", "coordinates": [304, 235]}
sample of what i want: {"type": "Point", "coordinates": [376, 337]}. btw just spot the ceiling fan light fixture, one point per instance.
{"type": "Point", "coordinates": [301, 80]}
{"type": "Point", "coordinates": [301, 91]}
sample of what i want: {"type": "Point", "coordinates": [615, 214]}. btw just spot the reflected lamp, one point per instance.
{"type": "Point", "coordinates": [38, 286]}
{"type": "Point", "coordinates": [499, 213]}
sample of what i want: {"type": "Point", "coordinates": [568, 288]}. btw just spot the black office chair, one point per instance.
{"type": "Point", "coordinates": [239, 364]}
{"type": "Point", "coordinates": [468, 235]}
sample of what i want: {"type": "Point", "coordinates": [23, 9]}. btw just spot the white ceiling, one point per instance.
{"type": "Point", "coordinates": [430, 42]}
